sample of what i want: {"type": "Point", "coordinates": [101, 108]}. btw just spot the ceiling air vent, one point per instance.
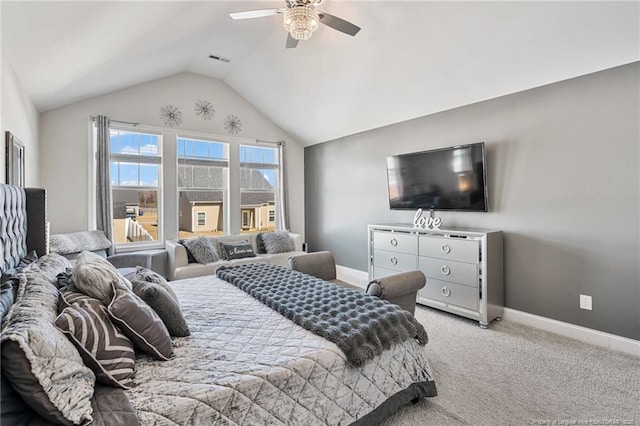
{"type": "Point", "coordinates": [219, 58]}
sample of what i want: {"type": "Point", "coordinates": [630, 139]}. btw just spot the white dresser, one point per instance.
{"type": "Point", "coordinates": [464, 267]}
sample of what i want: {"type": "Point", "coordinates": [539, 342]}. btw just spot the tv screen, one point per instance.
{"type": "Point", "coordinates": [451, 178]}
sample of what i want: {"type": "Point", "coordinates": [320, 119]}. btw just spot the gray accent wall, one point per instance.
{"type": "Point", "coordinates": [563, 166]}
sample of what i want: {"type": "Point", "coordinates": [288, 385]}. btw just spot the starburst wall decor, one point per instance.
{"type": "Point", "coordinates": [171, 115]}
{"type": "Point", "coordinates": [232, 124]}
{"type": "Point", "coordinates": [204, 109]}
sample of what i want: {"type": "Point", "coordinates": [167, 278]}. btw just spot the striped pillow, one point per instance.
{"type": "Point", "coordinates": [104, 349]}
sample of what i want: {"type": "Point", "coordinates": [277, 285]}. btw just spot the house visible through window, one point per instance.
{"type": "Point", "coordinates": [206, 166]}
{"type": "Point", "coordinates": [259, 170]}
{"type": "Point", "coordinates": [202, 186]}
{"type": "Point", "coordinates": [135, 169]}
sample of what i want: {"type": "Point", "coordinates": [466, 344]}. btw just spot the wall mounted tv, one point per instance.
{"type": "Point", "coordinates": [451, 178]}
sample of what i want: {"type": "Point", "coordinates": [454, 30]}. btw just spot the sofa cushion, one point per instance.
{"type": "Point", "coordinates": [236, 250]}
{"type": "Point", "coordinates": [103, 348]}
{"type": "Point", "coordinates": [201, 248]}
{"type": "Point", "coordinates": [277, 242]}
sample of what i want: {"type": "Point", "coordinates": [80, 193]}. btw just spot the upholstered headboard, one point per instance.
{"type": "Point", "coordinates": [23, 223]}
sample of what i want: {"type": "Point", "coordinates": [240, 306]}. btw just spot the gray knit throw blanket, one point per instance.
{"type": "Point", "coordinates": [361, 325]}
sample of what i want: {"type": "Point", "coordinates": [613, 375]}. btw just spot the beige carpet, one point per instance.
{"type": "Point", "coordinates": [512, 374]}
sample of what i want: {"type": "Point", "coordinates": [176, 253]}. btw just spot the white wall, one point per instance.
{"type": "Point", "coordinates": [64, 139]}
{"type": "Point", "coordinates": [20, 117]}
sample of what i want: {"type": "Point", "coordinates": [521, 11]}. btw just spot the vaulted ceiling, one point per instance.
{"type": "Point", "coordinates": [411, 58]}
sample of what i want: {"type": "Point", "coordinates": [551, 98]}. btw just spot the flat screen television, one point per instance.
{"type": "Point", "coordinates": [452, 178]}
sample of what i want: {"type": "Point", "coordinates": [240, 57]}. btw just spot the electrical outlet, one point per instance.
{"type": "Point", "coordinates": [585, 302]}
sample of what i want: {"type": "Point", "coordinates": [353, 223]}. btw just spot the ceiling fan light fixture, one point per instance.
{"type": "Point", "coordinates": [301, 21]}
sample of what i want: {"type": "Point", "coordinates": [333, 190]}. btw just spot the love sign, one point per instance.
{"type": "Point", "coordinates": [426, 222]}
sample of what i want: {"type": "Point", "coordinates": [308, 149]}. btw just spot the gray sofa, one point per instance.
{"type": "Point", "coordinates": [178, 266]}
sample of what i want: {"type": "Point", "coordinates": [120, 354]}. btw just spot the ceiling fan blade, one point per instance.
{"type": "Point", "coordinates": [338, 24]}
{"type": "Point", "coordinates": [255, 13]}
{"type": "Point", "coordinates": [291, 42]}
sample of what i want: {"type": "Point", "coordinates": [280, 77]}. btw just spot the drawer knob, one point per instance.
{"type": "Point", "coordinates": [394, 242]}
{"type": "Point", "coordinates": [446, 248]}
{"type": "Point", "coordinates": [394, 260]}
{"type": "Point", "coordinates": [445, 291]}
{"type": "Point", "coordinates": [445, 270]}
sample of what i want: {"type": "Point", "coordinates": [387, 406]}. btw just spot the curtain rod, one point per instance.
{"type": "Point", "coordinates": [271, 142]}
{"type": "Point", "coordinates": [133, 123]}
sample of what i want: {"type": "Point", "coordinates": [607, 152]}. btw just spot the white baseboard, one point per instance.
{"type": "Point", "coordinates": [594, 337]}
{"type": "Point", "coordinates": [353, 276]}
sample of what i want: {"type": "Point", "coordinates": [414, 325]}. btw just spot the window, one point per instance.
{"type": "Point", "coordinates": [202, 218]}
{"type": "Point", "coordinates": [202, 186]}
{"type": "Point", "coordinates": [259, 170]}
{"type": "Point", "coordinates": [135, 169]}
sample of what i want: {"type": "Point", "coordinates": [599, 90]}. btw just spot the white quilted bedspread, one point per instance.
{"type": "Point", "coordinates": [245, 364]}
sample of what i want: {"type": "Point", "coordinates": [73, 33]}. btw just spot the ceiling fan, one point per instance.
{"type": "Point", "coordinates": [301, 19]}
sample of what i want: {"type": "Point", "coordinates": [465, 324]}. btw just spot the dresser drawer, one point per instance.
{"type": "Point", "coordinates": [450, 248]}
{"type": "Point", "coordinates": [451, 293]}
{"type": "Point", "coordinates": [394, 261]}
{"type": "Point", "coordinates": [446, 270]}
{"type": "Point", "coordinates": [378, 272]}
{"type": "Point", "coordinates": [393, 241]}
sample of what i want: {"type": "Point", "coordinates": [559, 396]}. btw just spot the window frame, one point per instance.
{"type": "Point", "coordinates": [204, 218]}
{"type": "Point", "coordinates": [148, 159]}
{"type": "Point", "coordinates": [204, 162]}
{"type": "Point", "coordinates": [275, 187]}
{"type": "Point", "coordinates": [168, 201]}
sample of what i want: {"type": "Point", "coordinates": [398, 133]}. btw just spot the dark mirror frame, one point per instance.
{"type": "Point", "coordinates": [14, 160]}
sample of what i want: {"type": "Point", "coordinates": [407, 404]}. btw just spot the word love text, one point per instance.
{"type": "Point", "coordinates": [424, 222]}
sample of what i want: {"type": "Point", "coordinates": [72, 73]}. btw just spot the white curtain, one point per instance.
{"type": "Point", "coordinates": [104, 213]}
{"type": "Point", "coordinates": [283, 211]}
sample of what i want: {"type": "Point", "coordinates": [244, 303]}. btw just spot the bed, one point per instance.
{"type": "Point", "coordinates": [243, 363]}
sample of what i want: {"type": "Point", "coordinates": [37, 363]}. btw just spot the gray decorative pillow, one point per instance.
{"type": "Point", "coordinates": [165, 305]}
{"type": "Point", "coordinates": [37, 359]}
{"type": "Point", "coordinates": [103, 348]}
{"type": "Point", "coordinates": [144, 274]}
{"type": "Point", "coordinates": [260, 244]}
{"type": "Point", "coordinates": [278, 242]}
{"type": "Point", "coordinates": [202, 250]}
{"type": "Point", "coordinates": [93, 275]}
{"type": "Point", "coordinates": [236, 250]}
{"type": "Point", "coordinates": [140, 323]}
{"type": "Point", "coordinates": [190, 258]}
{"type": "Point", "coordinates": [78, 241]}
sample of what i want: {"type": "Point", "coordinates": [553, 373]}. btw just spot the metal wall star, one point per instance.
{"type": "Point", "coordinates": [171, 115]}
{"type": "Point", "coordinates": [232, 124]}
{"type": "Point", "coordinates": [204, 109]}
